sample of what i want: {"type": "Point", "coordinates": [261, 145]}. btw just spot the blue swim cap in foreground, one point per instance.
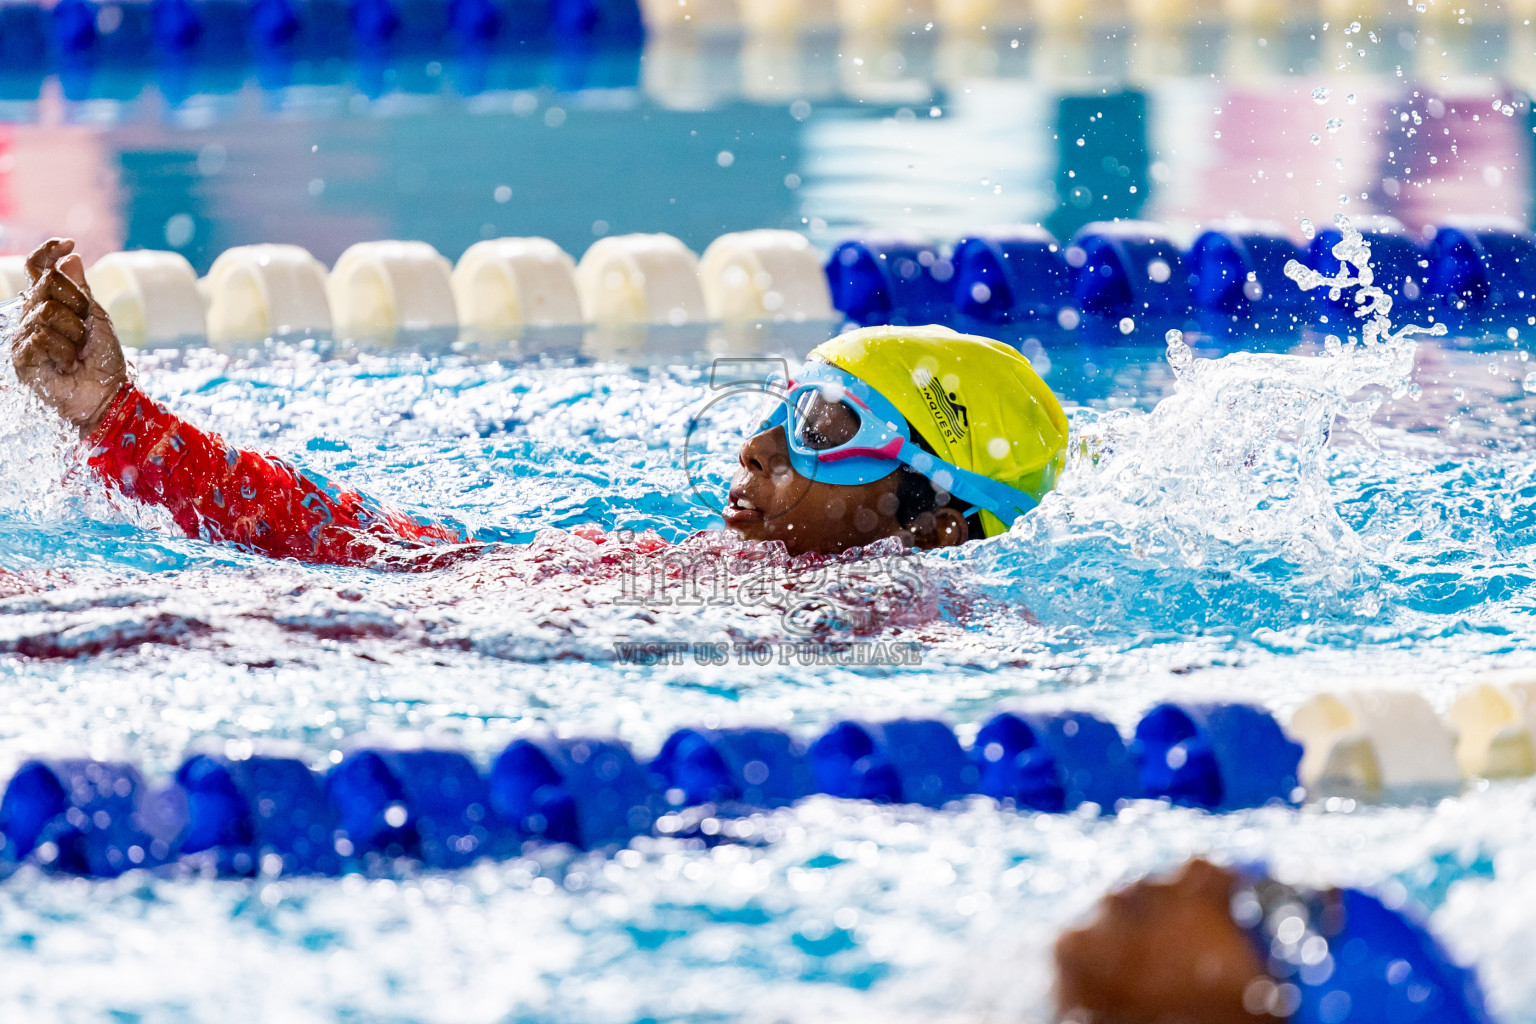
{"type": "Point", "coordinates": [1353, 960]}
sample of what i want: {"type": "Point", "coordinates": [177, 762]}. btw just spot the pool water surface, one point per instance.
{"type": "Point", "coordinates": [1218, 547]}
{"type": "Point", "coordinates": [1300, 515]}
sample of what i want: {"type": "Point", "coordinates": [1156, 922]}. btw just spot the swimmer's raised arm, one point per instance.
{"type": "Point", "coordinates": [66, 351]}
{"type": "Point", "coordinates": [65, 348]}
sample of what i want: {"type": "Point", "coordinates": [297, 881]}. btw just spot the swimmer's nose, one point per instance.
{"type": "Point", "coordinates": [764, 451]}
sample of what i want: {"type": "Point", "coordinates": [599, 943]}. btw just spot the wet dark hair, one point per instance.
{"type": "Point", "coordinates": [915, 494]}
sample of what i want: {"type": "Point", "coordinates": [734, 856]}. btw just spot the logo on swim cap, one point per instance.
{"type": "Point", "coordinates": [952, 417]}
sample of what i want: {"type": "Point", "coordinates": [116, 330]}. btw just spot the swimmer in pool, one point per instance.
{"type": "Point", "coordinates": [1212, 945]}
{"type": "Point", "coordinates": [918, 433]}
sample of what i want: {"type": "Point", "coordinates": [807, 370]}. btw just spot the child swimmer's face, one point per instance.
{"type": "Point", "coordinates": [769, 500]}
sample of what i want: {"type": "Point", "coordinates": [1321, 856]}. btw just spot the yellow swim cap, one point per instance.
{"type": "Point", "coordinates": [976, 401]}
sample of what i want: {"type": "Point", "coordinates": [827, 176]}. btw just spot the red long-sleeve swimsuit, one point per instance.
{"type": "Point", "coordinates": [256, 501]}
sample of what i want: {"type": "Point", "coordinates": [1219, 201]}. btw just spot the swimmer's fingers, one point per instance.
{"type": "Point", "coordinates": [73, 269]}
{"type": "Point", "coordinates": [53, 286]}
{"type": "Point", "coordinates": [42, 259]}
{"type": "Point", "coordinates": [45, 348]}
{"type": "Point", "coordinates": [58, 318]}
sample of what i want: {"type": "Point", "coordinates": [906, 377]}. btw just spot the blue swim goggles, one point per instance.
{"type": "Point", "coordinates": [842, 431]}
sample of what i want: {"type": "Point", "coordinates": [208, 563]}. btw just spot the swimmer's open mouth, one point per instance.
{"type": "Point", "coordinates": [740, 509]}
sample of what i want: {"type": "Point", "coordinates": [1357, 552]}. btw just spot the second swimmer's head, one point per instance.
{"type": "Point", "coordinates": [912, 432]}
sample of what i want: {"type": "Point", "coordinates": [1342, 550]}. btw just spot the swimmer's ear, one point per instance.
{"type": "Point", "coordinates": [942, 528]}
{"type": "Point", "coordinates": [951, 527]}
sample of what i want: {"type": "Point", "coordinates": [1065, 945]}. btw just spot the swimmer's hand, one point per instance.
{"type": "Point", "coordinates": [65, 349]}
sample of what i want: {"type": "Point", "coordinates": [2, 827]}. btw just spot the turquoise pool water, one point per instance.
{"type": "Point", "coordinates": [1250, 538]}
{"type": "Point", "coordinates": [1219, 545]}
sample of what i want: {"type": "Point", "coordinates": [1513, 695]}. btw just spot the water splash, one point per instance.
{"type": "Point", "coordinates": [1221, 495]}
{"type": "Point", "coordinates": [1353, 251]}
{"type": "Point", "coordinates": [35, 446]}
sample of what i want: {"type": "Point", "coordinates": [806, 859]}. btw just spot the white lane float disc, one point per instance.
{"type": "Point", "coordinates": [378, 289]}
{"type": "Point", "coordinates": [1495, 721]}
{"type": "Point", "coordinates": [764, 275]}
{"type": "Point", "coordinates": [502, 285]}
{"type": "Point", "coordinates": [13, 277]}
{"type": "Point", "coordinates": [640, 279]}
{"type": "Point", "coordinates": [151, 296]}
{"type": "Point", "coordinates": [1374, 743]}
{"type": "Point", "coordinates": [264, 291]}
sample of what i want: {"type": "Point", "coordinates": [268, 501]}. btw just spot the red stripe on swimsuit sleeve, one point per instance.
{"type": "Point", "coordinates": [256, 501]}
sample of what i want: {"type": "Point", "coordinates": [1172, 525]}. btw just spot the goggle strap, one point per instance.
{"type": "Point", "coordinates": [982, 493]}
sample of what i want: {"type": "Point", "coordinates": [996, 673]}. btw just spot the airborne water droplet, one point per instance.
{"type": "Point", "coordinates": [1315, 139]}
{"type": "Point", "coordinates": [1334, 124]}
{"type": "Point", "coordinates": [1179, 355]}
{"type": "Point", "coordinates": [1530, 382]}
{"type": "Point", "coordinates": [1320, 95]}
{"type": "Point", "coordinates": [1127, 325]}
{"type": "Point", "coordinates": [1307, 230]}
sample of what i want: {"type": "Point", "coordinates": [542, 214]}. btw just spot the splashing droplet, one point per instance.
{"type": "Point", "coordinates": [1127, 325]}
{"type": "Point", "coordinates": [1307, 230]}
{"type": "Point", "coordinates": [1320, 95]}
{"type": "Point", "coordinates": [1530, 382]}
{"type": "Point", "coordinates": [1334, 124]}
{"type": "Point", "coordinates": [1179, 355]}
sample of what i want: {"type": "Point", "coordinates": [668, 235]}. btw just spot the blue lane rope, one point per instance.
{"type": "Point", "coordinates": [1231, 276]}
{"type": "Point", "coordinates": [215, 31]}
{"type": "Point", "coordinates": [273, 815]}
